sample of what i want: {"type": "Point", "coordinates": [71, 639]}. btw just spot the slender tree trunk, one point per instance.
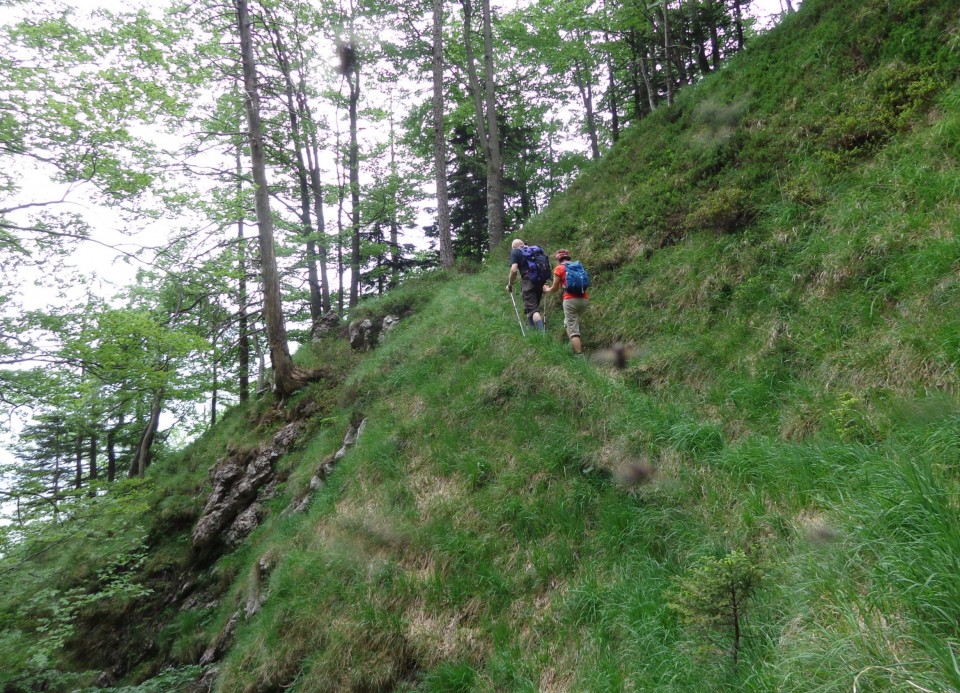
{"type": "Point", "coordinates": [551, 157]}
{"type": "Point", "coordinates": [299, 144]}
{"type": "Point", "coordinates": [495, 209]}
{"type": "Point", "coordinates": [286, 378]}
{"type": "Point", "coordinates": [699, 40]}
{"type": "Point", "coordinates": [354, 192]}
{"type": "Point", "coordinates": [586, 94]}
{"type": "Point", "coordinates": [313, 281]}
{"type": "Point", "coordinates": [213, 394]}
{"type": "Point", "coordinates": [667, 54]}
{"type": "Point", "coordinates": [262, 370]}
{"type": "Point", "coordinates": [94, 472]}
{"type": "Point", "coordinates": [243, 323]}
{"type": "Point", "coordinates": [323, 246]}
{"type": "Point", "coordinates": [144, 453]}
{"type": "Point", "coordinates": [715, 55]}
{"type": "Point", "coordinates": [56, 476]}
{"type": "Point", "coordinates": [78, 456]}
{"type": "Point", "coordinates": [684, 76]}
{"type": "Point", "coordinates": [341, 198]}
{"type": "Point", "coordinates": [635, 89]}
{"type": "Point", "coordinates": [636, 75]}
{"type": "Point", "coordinates": [394, 206]}
{"type": "Point", "coordinates": [614, 117]}
{"type": "Point", "coordinates": [440, 141]}
{"type": "Point", "coordinates": [313, 164]}
{"type": "Point", "coordinates": [738, 24]}
{"type": "Point", "coordinates": [472, 72]}
{"type": "Point", "coordinates": [494, 222]}
{"type": "Point", "coordinates": [645, 73]}
{"type": "Point", "coordinates": [112, 451]}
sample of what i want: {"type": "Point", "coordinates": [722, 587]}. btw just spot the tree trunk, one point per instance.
{"type": "Point", "coordinates": [213, 394]}
{"type": "Point", "coordinates": [639, 73]}
{"type": "Point", "coordinates": [322, 246]}
{"type": "Point", "coordinates": [738, 23]}
{"type": "Point", "coordinates": [667, 54]}
{"type": "Point", "coordinates": [313, 164]}
{"type": "Point", "coordinates": [306, 225]}
{"type": "Point", "coordinates": [341, 192]}
{"type": "Point", "coordinates": [78, 457]}
{"type": "Point", "coordinates": [715, 56]}
{"type": "Point", "coordinates": [112, 451]}
{"type": "Point", "coordinates": [286, 378]}
{"type": "Point", "coordinates": [354, 163]}
{"type": "Point", "coordinates": [645, 73]}
{"type": "Point", "coordinates": [94, 472]}
{"type": "Point", "coordinates": [299, 144]}
{"type": "Point", "coordinates": [495, 211]}
{"type": "Point", "coordinates": [586, 94]}
{"type": "Point", "coordinates": [699, 40]}
{"type": "Point", "coordinates": [440, 141]}
{"type": "Point", "coordinates": [144, 454]}
{"type": "Point", "coordinates": [614, 117]}
{"type": "Point", "coordinates": [353, 82]}
{"type": "Point", "coordinates": [395, 204]}
{"type": "Point", "coordinates": [243, 323]}
{"type": "Point", "coordinates": [474, 81]}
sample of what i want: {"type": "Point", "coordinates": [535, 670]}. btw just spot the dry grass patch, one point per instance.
{"type": "Point", "coordinates": [435, 495]}
{"type": "Point", "coordinates": [443, 637]}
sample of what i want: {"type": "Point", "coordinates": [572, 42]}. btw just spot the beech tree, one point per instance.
{"type": "Point", "coordinates": [287, 378]}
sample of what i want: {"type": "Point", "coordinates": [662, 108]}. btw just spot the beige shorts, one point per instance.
{"type": "Point", "coordinates": [573, 308]}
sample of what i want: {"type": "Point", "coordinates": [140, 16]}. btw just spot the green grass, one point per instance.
{"type": "Point", "coordinates": [780, 251]}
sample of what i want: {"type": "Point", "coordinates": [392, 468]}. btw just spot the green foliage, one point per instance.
{"type": "Point", "coordinates": [169, 680]}
{"type": "Point", "coordinates": [722, 211]}
{"type": "Point", "coordinates": [55, 616]}
{"type": "Point", "coordinates": [715, 595]}
{"type": "Point", "coordinates": [850, 422]}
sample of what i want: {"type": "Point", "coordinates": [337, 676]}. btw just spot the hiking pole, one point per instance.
{"type": "Point", "coordinates": [522, 331]}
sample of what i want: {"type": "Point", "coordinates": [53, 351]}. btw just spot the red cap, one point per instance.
{"type": "Point", "coordinates": [560, 254]}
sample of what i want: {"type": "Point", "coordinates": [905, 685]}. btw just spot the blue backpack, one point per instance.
{"type": "Point", "coordinates": [577, 278]}
{"type": "Point", "coordinates": [537, 265]}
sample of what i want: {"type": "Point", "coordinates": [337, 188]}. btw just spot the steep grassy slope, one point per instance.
{"type": "Point", "coordinates": [780, 249]}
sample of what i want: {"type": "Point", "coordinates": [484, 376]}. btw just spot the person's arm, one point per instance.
{"type": "Point", "coordinates": [549, 289]}
{"type": "Point", "coordinates": [514, 271]}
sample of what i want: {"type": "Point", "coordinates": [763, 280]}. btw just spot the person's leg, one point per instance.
{"type": "Point", "coordinates": [532, 294]}
{"type": "Point", "coordinates": [571, 322]}
{"type": "Point", "coordinates": [572, 309]}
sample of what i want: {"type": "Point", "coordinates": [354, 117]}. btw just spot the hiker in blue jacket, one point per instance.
{"type": "Point", "coordinates": [530, 263]}
{"type": "Point", "coordinates": [576, 300]}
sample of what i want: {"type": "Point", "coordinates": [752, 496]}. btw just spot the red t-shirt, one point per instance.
{"type": "Point", "coordinates": [561, 271]}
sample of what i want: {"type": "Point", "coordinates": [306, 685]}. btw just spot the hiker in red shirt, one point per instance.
{"type": "Point", "coordinates": [574, 303]}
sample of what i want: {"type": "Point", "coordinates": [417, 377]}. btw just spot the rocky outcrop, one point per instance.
{"type": "Point", "coordinates": [242, 482]}
{"type": "Point", "coordinates": [368, 333]}
{"type": "Point", "coordinates": [233, 477]}
{"type": "Point", "coordinates": [326, 324]}
{"type": "Point", "coordinates": [389, 322]}
{"type": "Point", "coordinates": [326, 468]}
